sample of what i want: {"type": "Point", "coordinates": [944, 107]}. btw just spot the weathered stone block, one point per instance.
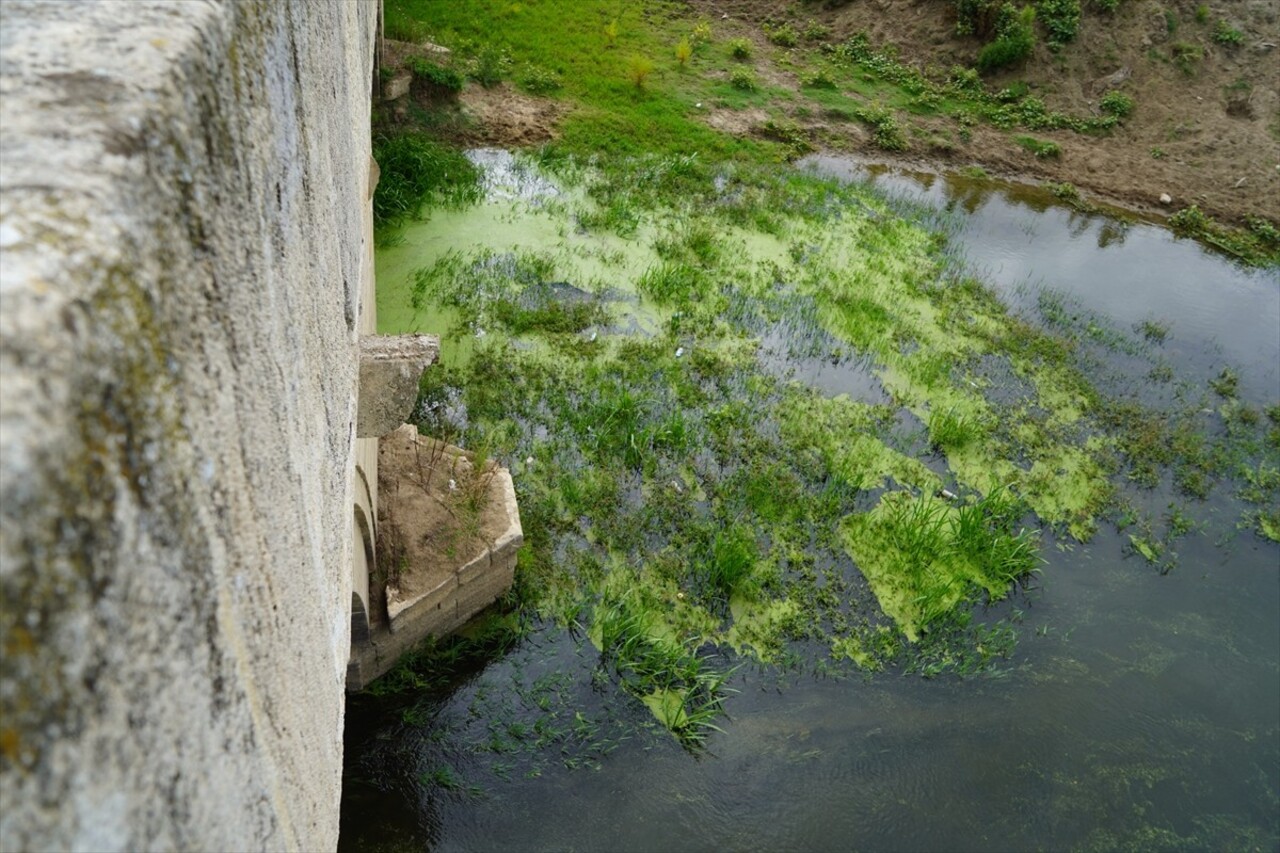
{"type": "Point", "coordinates": [397, 86]}
{"type": "Point", "coordinates": [453, 531]}
{"type": "Point", "coordinates": [434, 598]}
{"type": "Point", "coordinates": [390, 368]}
{"type": "Point", "coordinates": [477, 568]}
{"type": "Point", "coordinates": [482, 592]}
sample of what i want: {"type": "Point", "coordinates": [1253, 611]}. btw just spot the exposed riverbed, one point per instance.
{"type": "Point", "coordinates": [1140, 703]}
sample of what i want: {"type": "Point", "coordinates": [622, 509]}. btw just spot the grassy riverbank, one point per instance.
{"type": "Point", "coordinates": [658, 77]}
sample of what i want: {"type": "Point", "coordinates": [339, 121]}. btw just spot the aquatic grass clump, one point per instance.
{"type": "Point", "coordinates": [471, 283]}
{"type": "Point", "coordinates": [731, 564]}
{"type": "Point", "coordinates": [923, 556]}
{"type": "Point", "coordinates": [548, 316]}
{"type": "Point", "coordinates": [674, 284]}
{"type": "Point", "coordinates": [950, 429]}
{"type": "Point", "coordinates": [417, 172]}
{"type": "Point", "coordinates": [664, 672]}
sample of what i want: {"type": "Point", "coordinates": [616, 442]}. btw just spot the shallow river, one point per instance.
{"type": "Point", "coordinates": [1139, 709]}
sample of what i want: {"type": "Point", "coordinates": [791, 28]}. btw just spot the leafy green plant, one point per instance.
{"type": "Point", "coordinates": [884, 125]}
{"type": "Point", "coordinates": [491, 66]}
{"type": "Point", "coordinates": [1107, 6]}
{"type": "Point", "coordinates": [818, 78]}
{"type": "Point", "coordinates": [789, 134]}
{"type": "Point", "coordinates": [1060, 19]}
{"type": "Point", "coordinates": [815, 30]}
{"type": "Point", "coordinates": [784, 35]}
{"type": "Point", "coordinates": [1224, 33]}
{"type": "Point", "coordinates": [740, 48]}
{"type": "Point", "coordinates": [1202, 13]}
{"type": "Point", "coordinates": [1014, 42]}
{"type": "Point", "coordinates": [1116, 103]}
{"type": "Point", "coordinates": [977, 17]}
{"type": "Point", "coordinates": [701, 33]}
{"type": "Point", "coordinates": [1190, 219]}
{"type": "Point", "coordinates": [611, 33]}
{"type": "Point", "coordinates": [1258, 243]}
{"type": "Point", "coordinates": [1065, 191]}
{"type": "Point", "coordinates": [539, 81]}
{"type": "Point", "coordinates": [1014, 92]}
{"type": "Point", "coordinates": [743, 79]}
{"type": "Point", "coordinates": [1186, 56]}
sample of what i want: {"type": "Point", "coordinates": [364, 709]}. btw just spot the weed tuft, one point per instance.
{"type": "Point", "coordinates": [952, 430]}
{"type": "Point", "coordinates": [743, 79]}
{"type": "Point", "coordinates": [638, 70]}
{"type": "Point", "coordinates": [491, 66]}
{"type": "Point", "coordinates": [783, 35]}
{"type": "Point", "coordinates": [1043, 149]}
{"type": "Point", "coordinates": [1117, 104]}
{"type": "Point", "coordinates": [684, 52]}
{"type": "Point", "coordinates": [431, 79]}
{"type": "Point", "coordinates": [539, 81]}
{"type": "Point", "coordinates": [818, 78]}
{"type": "Point", "coordinates": [1014, 42]}
{"type": "Point", "coordinates": [1225, 34]}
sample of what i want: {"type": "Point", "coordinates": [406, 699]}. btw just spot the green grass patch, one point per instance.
{"type": "Point", "coordinates": [1043, 149]}
{"type": "Point", "coordinates": [416, 173]}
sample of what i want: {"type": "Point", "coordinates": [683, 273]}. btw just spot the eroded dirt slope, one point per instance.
{"type": "Point", "coordinates": [1205, 131]}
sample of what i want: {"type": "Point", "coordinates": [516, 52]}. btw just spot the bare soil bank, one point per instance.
{"type": "Point", "coordinates": [1208, 135]}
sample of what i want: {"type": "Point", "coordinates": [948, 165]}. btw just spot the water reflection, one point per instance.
{"type": "Point", "coordinates": [1017, 235]}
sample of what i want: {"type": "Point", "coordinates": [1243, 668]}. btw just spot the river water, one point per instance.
{"type": "Point", "coordinates": [1139, 709]}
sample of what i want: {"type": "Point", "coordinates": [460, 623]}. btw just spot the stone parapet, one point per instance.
{"type": "Point", "coordinates": [184, 221]}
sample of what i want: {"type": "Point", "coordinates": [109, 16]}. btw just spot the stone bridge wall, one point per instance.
{"type": "Point", "coordinates": [184, 226]}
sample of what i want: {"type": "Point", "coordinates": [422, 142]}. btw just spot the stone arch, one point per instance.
{"type": "Point", "coordinates": [363, 566]}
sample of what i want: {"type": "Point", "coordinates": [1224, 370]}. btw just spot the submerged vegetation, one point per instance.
{"type": "Point", "coordinates": [686, 503]}
{"type": "Point", "coordinates": [627, 342]}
